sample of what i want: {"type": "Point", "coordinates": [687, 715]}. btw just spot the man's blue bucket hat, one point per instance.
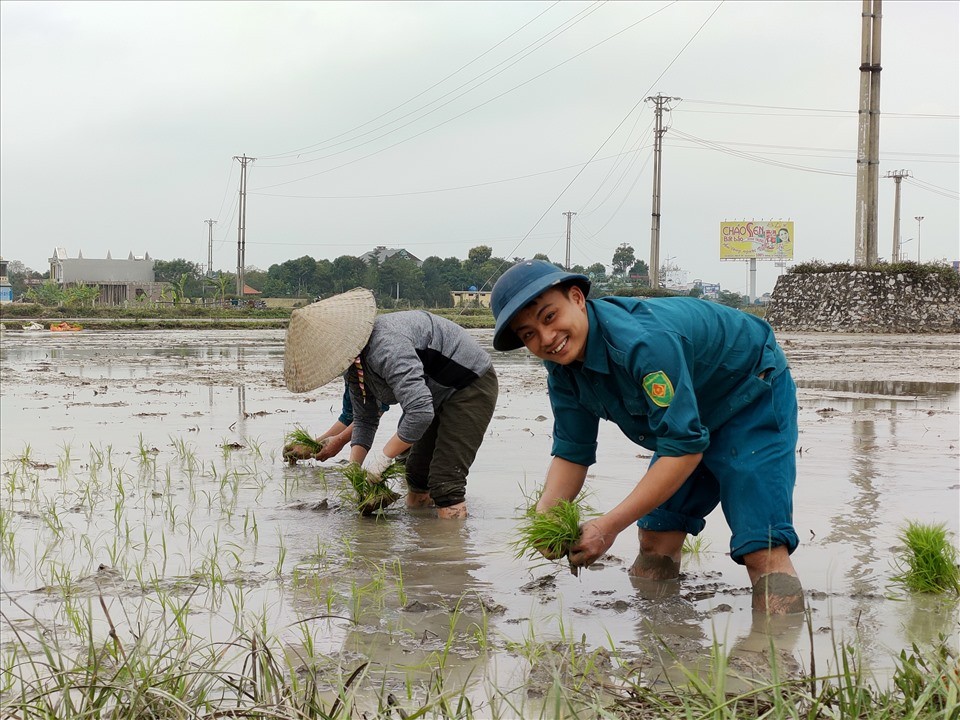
{"type": "Point", "coordinates": [517, 287]}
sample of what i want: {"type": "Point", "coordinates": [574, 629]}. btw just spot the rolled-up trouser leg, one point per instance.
{"type": "Point", "coordinates": [460, 425]}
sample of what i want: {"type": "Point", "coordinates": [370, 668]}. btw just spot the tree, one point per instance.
{"type": "Point", "coordinates": [50, 294]}
{"type": "Point", "coordinates": [172, 271]}
{"type": "Point", "coordinates": [81, 295]}
{"type": "Point", "coordinates": [178, 288]}
{"type": "Point", "coordinates": [734, 300]}
{"type": "Point", "coordinates": [350, 272]}
{"type": "Point", "coordinates": [623, 258]}
{"type": "Point", "coordinates": [696, 291]}
{"type": "Point", "coordinates": [400, 276]}
{"type": "Point", "coordinates": [222, 282]}
{"type": "Point", "coordinates": [18, 274]}
{"type": "Point", "coordinates": [480, 254]}
{"type": "Point", "coordinates": [440, 276]}
{"type": "Point", "coordinates": [579, 269]}
{"type": "Point", "coordinates": [597, 270]}
{"type": "Point", "coordinates": [640, 269]}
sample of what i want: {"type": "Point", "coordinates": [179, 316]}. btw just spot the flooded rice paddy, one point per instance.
{"type": "Point", "coordinates": [145, 468]}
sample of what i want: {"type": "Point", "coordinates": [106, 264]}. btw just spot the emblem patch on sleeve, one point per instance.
{"type": "Point", "coordinates": [658, 386]}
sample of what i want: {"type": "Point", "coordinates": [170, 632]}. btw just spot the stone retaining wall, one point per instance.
{"type": "Point", "coordinates": [863, 301]}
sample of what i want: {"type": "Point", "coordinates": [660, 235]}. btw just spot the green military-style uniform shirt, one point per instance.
{"type": "Point", "coordinates": [667, 371]}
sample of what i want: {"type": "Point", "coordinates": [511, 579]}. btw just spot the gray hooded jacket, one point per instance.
{"type": "Point", "coordinates": [414, 359]}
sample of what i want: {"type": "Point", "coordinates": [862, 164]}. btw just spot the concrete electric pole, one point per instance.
{"type": "Point", "coordinates": [210, 224]}
{"type": "Point", "coordinates": [659, 102]}
{"type": "Point", "coordinates": [919, 219]}
{"type": "Point", "coordinates": [569, 219]}
{"type": "Point", "coordinates": [242, 223]}
{"type": "Point", "coordinates": [898, 176]}
{"type": "Point", "coordinates": [868, 135]}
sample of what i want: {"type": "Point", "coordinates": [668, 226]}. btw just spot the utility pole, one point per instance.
{"type": "Point", "coordinates": [659, 102]}
{"type": "Point", "coordinates": [569, 215]}
{"type": "Point", "coordinates": [210, 224]}
{"type": "Point", "coordinates": [919, 219]}
{"type": "Point", "coordinates": [868, 135]}
{"type": "Point", "coordinates": [897, 176]}
{"type": "Point", "coordinates": [242, 224]}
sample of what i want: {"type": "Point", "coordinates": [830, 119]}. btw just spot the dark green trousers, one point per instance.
{"type": "Point", "coordinates": [440, 460]}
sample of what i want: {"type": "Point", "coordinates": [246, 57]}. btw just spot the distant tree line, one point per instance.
{"type": "Point", "coordinates": [395, 280]}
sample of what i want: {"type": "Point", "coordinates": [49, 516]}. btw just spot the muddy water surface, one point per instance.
{"type": "Point", "coordinates": [145, 466]}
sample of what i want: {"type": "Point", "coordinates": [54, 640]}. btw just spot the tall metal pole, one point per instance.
{"type": "Point", "coordinates": [918, 218]}
{"type": "Point", "coordinates": [875, 128]}
{"type": "Point", "coordinates": [868, 135]}
{"type": "Point", "coordinates": [210, 224]}
{"type": "Point", "coordinates": [569, 218]}
{"type": "Point", "coordinates": [658, 104]}
{"type": "Point", "coordinates": [897, 175]}
{"type": "Point", "coordinates": [242, 223]}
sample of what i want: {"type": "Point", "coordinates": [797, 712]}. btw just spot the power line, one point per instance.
{"type": "Point", "coordinates": [475, 107]}
{"type": "Point", "coordinates": [952, 195]}
{"type": "Point", "coordinates": [828, 110]}
{"type": "Point", "coordinates": [757, 158]}
{"type": "Point", "coordinates": [542, 40]}
{"type": "Point", "coordinates": [620, 124]}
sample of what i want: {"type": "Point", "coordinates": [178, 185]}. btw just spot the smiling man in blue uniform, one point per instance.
{"type": "Point", "coordinates": [705, 386]}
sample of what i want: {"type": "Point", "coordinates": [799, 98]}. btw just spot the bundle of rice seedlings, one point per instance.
{"type": "Point", "coordinates": [550, 533]}
{"type": "Point", "coordinates": [372, 497]}
{"type": "Point", "coordinates": [927, 562]}
{"type": "Point", "coordinates": [299, 436]}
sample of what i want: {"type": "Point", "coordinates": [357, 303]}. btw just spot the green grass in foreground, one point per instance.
{"type": "Point", "coordinates": [927, 562]}
{"type": "Point", "coordinates": [164, 673]}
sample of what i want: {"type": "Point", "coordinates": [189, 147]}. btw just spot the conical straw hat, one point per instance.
{"type": "Point", "coordinates": [324, 337]}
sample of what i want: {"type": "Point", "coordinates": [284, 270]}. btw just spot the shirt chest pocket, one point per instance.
{"type": "Point", "coordinates": [634, 401]}
{"type": "Point", "coordinates": [590, 400]}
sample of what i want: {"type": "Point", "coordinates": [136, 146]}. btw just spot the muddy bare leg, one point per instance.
{"type": "Point", "coordinates": [776, 587]}
{"type": "Point", "coordinates": [419, 499]}
{"type": "Point", "coordinates": [659, 556]}
{"type": "Point", "coordinates": [453, 512]}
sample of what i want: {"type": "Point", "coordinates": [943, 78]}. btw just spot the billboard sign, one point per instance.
{"type": "Point", "coordinates": [756, 239]}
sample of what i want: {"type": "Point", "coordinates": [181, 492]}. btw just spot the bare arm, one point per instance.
{"type": "Point", "coordinates": [394, 447]}
{"type": "Point", "coordinates": [659, 483]}
{"type": "Point", "coordinates": [335, 429]}
{"type": "Point", "coordinates": [337, 437]}
{"type": "Point", "coordinates": [564, 481]}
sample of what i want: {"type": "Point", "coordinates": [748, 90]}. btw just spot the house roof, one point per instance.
{"type": "Point", "coordinates": [247, 290]}
{"type": "Point", "coordinates": [381, 253]}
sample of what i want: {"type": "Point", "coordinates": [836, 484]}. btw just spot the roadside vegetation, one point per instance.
{"type": "Point", "coordinates": [916, 272]}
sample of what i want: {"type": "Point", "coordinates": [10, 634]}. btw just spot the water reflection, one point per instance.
{"type": "Point", "coordinates": [894, 390]}
{"type": "Point", "coordinates": [415, 609]}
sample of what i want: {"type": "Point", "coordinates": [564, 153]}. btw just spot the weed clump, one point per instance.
{"type": "Point", "coordinates": [300, 444]}
{"type": "Point", "coordinates": [367, 496]}
{"type": "Point", "coordinates": [927, 562]}
{"type": "Point", "coordinates": [551, 533]}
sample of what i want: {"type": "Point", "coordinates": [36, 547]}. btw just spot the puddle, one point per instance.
{"type": "Point", "coordinates": [154, 477]}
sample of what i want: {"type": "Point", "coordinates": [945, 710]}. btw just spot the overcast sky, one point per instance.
{"type": "Point", "coordinates": [439, 126]}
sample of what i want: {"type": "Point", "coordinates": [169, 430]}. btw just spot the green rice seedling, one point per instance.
{"type": "Point", "coordinates": [695, 545]}
{"type": "Point", "coordinates": [927, 562]}
{"type": "Point", "coordinates": [371, 497]}
{"type": "Point", "coordinates": [550, 533]}
{"type": "Point", "coordinates": [24, 457]}
{"type": "Point", "coordinates": [281, 554]}
{"type": "Point", "coordinates": [300, 436]}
